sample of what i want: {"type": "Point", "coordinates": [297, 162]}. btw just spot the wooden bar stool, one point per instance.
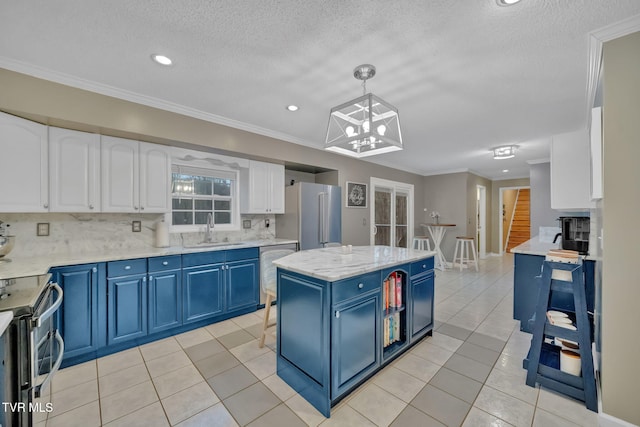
{"type": "Point", "coordinates": [467, 244]}
{"type": "Point", "coordinates": [269, 285]}
{"type": "Point", "coordinates": [421, 243]}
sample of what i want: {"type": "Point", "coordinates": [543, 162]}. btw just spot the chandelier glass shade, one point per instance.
{"type": "Point", "coordinates": [364, 126]}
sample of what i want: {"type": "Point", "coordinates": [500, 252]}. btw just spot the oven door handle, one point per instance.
{"type": "Point", "coordinates": [38, 387]}
{"type": "Point", "coordinates": [36, 322]}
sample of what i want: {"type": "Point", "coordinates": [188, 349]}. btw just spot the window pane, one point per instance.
{"type": "Point", "coordinates": [401, 236]}
{"type": "Point", "coordinates": [182, 218]}
{"type": "Point", "coordinates": [203, 186]}
{"type": "Point", "coordinates": [201, 217]}
{"type": "Point", "coordinates": [222, 217]}
{"type": "Point", "coordinates": [181, 203]}
{"type": "Point", "coordinates": [222, 187]}
{"type": "Point", "coordinates": [203, 205]}
{"type": "Point", "coordinates": [182, 184]}
{"type": "Point", "coordinates": [222, 205]}
{"type": "Point", "coordinates": [401, 209]}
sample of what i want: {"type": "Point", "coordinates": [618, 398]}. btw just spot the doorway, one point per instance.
{"type": "Point", "coordinates": [513, 217]}
{"type": "Point", "coordinates": [391, 213]}
{"type": "Point", "coordinates": [481, 220]}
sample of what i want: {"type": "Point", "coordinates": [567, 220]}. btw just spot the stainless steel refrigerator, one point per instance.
{"type": "Point", "coordinates": [313, 215]}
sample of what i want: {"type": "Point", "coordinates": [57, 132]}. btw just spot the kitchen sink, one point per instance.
{"type": "Point", "coordinates": [212, 245]}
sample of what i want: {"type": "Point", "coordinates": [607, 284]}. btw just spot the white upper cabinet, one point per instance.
{"type": "Point", "coordinates": [155, 178]}
{"type": "Point", "coordinates": [24, 173]}
{"type": "Point", "coordinates": [136, 176]}
{"type": "Point", "coordinates": [74, 171]}
{"type": "Point", "coordinates": [571, 171]}
{"type": "Point", "coordinates": [263, 188]}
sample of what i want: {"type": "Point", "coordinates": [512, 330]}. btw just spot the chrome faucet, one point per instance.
{"type": "Point", "coordinates": [208, 237]}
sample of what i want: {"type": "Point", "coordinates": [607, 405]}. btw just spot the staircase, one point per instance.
{"type": "Point", "coordinates": [520, 225]}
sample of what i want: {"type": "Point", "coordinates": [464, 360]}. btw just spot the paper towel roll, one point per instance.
{"type": "Point", "coordinates": [162, 234]}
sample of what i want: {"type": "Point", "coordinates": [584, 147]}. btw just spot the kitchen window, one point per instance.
{"type": "Point", "coordinates": [198, 192]}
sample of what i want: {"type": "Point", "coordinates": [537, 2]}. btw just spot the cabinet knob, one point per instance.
{"type": "Point", "coordinates": [127, 267]}
{"type": "Point", "coordinates": [360, 285]}
{"type": "Point", "coordinates": [424, 265]}
{"type": "Point", "coordinates": [150, 278]}
{"type": "Point", "coordinates": [135, 208]}
{"type": "Point", "coordinates": [144, 279]}
{"type": "Point", "coordinates": [165, 262]}
{"type": "Point", "coordinates": [90, 206]}
{"type": "Point", "coordinates": [141, 208]}
{"type": "Point", "coordinates": [46, 205]}
{"type": "Point", "coordinates": [94, 269]}
{"type": "Point", "coordinates": [337, 314]}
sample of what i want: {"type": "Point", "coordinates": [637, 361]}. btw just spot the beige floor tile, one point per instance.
{"type": "Point", "coordinates": [159, 348]}
{"type": "Point", "coordinates": [432, 353]}
{"type": "Point", "coordinates": [177, 380]}
{"type": "Point", "coordinates": [377, 405]}
{"type": "Point", "coordinates": [191, 338]}
{"type": "Point", "coordinates": [189, 402]}
{"type": "Point", "coordinates": [508, 408]}
{"type": "Point", "coordinates": [444, 341]}
{"type": "Point", "coordinates": [513, 385]}
{"type": "Point", "coordinates": [478, 418]}
{"type": "Point", "coordinates": [74, 397]}
{"type": "Point", "coordinates": [117, 361]}
{"type": "Point", "coordinates": [247, 320]}
{"type": "Point", "coordinates": [279, 387]}
{"type": "Point", "coordinates": [215, 416]}
{"type": "Point", "coordinates": [248, 351]}
{"type": "Point", "coordinates": [127, 401]}
{"type": "Point", "coordinates": [149, 416]}
{"type": "Point", "coordinates": [74, 375]}
{"type": "Point", "coordinates": [399, 383]}
{"type": "Point", "coordinates": [543, 418]}
{"type": "Point", "coordinates": [263, 366]}
{"type": "Point", "coordinates": [223, 328]}
{"type": "Point", "coordinates": [416, 366]}
{"type": "Point", "coordinates": [567, 408]}
{"type": "Point", "coordinates": [168, 363]}
{"type": "Point", "coordinates": [123, 379]}
{"type": "Point", "coordinates": [84, 416]}
{"type": "Point", "coordinates": [305, 411]}
{"type": "Point", "coordinates": [279, 416]}
{"type": "Point", "coordinates": [346, 416]}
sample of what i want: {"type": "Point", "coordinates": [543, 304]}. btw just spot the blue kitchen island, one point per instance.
{"type": "Point", "coordinates": [343, 316]}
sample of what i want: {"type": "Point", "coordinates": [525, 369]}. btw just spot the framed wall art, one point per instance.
{"type": "Point", "coordinates": [356, 195]}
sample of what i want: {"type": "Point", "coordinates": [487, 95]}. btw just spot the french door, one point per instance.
{"type": "Point", "coordinates": [392, 213]}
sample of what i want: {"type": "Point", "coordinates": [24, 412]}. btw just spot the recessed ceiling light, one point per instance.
{"type": "Point", "coordinates": [161, 59]}
{"type": "Point", "coordinates": [505, 170]}
{"type": "Point", "coordinates": [292, 107]}
{"type": "Point", "coordinates": [506, 2]}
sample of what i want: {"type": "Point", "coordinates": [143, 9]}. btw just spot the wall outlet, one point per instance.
{"type": "Point", "coordinates": [246, 223]}
{"type": "Point", "coordinates": [266, 222]}
{"type": "Point", "coordinates": [42, 229]}
{"type": "Point", "coordinates": [136, 226]}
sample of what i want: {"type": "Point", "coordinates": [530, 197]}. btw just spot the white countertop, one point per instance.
{"type": "Point", "coordinates": [35, 266]}
{"type": "Point", "coordinates": [5, 319]}
{"type": "Point", "coordinates": [536, 247]}
{"type": "Point", "coordinates": [332, 264]}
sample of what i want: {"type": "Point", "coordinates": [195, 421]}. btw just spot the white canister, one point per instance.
{"type": "Point", "coordinates": [570, 362]}
{"type": "Point", "coordinates": [162, 234]}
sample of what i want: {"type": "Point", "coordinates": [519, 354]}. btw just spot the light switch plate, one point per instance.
{"type": "Point", "coordinates": [136, 226]}
{"type": "Point", "coordinates": [42, 229]}
{"type": "Point", "coordinates": [246, 223]}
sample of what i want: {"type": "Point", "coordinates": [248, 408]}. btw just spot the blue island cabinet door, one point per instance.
{"type": "Point", "coordinates": [242, 284]}
{"type": "Point", "coordinates": [202, 292]}
{"type": "Point", "coordinates": [355, 343]}
{"type": "Point", "coordinates": [126, 308]}
{"type": "Point", "coordinates": [78, 315]}
{"type": "Point", "coordinates": [165, 300]}
{"type": "Point", "coordinates": [421, 305]}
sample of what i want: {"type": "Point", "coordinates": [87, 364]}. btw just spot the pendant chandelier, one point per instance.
{"type": "Point", "coordinates": [364, 126]}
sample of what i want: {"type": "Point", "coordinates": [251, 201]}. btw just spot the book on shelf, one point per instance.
{"type": "Point", "coordinates": [398, 291]}
{"type": "Point", "coordinates": [396, 327]}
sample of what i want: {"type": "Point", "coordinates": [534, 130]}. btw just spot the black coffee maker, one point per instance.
{"type": "Point", "coordinates": [575, 233]}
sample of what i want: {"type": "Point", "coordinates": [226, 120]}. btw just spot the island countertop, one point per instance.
{"type": "Point", "coordinates": [332, 264]}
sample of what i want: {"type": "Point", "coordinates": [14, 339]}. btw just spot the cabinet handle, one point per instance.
{"type": "Point", "coordinates": [144, 279]}
{"type": "Point", "coordinates": [127, 267]}
{"type": "Point", "coordinates": [165, 262]}
{"type": "Point", "coordinates": [337, 314]}
{"type": "Point", "coordinates": [135, 208]}
{"type": "Point", "coordinates": [150, 278]}
{"type": "Point", "coordinates": [141, 208]}
{"type": "Point", "coordinates": [94, 269]}
{"type": "Point", "coordinates": [360, 285]}
{"type": "Point", "coordinates": [90, 206]}
{"type": "Point", "coordinates": [46, 205]}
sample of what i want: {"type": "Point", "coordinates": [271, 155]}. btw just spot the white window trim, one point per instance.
{"type": "Point", "coordinates": [235, 198]}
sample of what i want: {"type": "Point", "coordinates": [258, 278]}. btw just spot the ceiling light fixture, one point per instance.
{"type": "Point", "coordinates": [161, 59]}
{"type": "Point", "coordinates": [505, 170]}
{"type": "Point", "coordinates": [506, 2]}
{"type": "Point", "coordinates": [292, 107]}
{"type": "Point", "coordinates": [364, 126]}
{"type": "Point", "coordinates": [504, 152]}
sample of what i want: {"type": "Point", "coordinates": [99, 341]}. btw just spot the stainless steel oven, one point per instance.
{"type": "Point", "coordinates": [34, 349]}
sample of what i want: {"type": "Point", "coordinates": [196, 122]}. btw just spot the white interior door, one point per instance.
{"type": "Point", "coordinates": [391, 213]}
{"type": "Point", "coordinates": [481, 221]}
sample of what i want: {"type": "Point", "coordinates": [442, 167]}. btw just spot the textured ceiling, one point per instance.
{"type": "Point", "coordinates": [465, 75]}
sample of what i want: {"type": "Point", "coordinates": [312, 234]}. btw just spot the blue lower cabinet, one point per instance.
{"type": "Point", "coordinates": [242, 289]}
{"type": "Point", "coordinates": [78, 315]}
{"type": "Point", "coordinates": [126, 308]}
{"type": "Point", "coordinates": [165, 300]}
{"type": "Point", "coordinates": [355, 341]}
{"type": "Point", "coordinates": [202, 292]}
{"type": "Point", "coordinates": [421, 305]}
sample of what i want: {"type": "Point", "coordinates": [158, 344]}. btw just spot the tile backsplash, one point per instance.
{"type": "Point", "coordinates": [73, 233]}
